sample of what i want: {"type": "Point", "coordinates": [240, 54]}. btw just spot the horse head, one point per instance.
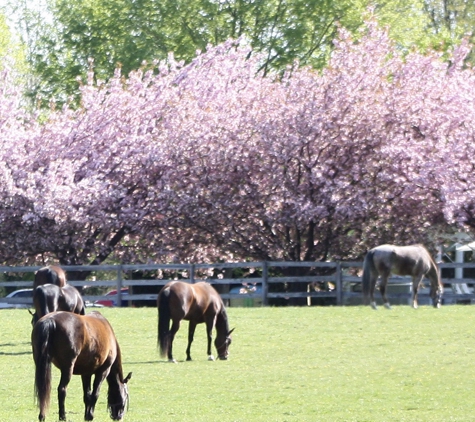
{"type": "Point", "coordinates": [118, 398]}
{"type": "Point", "coordinates": [222, 345]}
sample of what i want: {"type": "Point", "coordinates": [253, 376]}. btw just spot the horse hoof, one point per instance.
{"type": "Point", "coordinates": [172, 361]}
{"type": "Point", "coordinates": [387, 306]}
{"type": "Point", "coordinates": [373, 305]}
{"type": "Point", "coordinates": [211, 358]}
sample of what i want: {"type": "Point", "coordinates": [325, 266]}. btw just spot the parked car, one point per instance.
{"type": "Point", "coordinates": [113, 302]}
{"type": "Point", "coordinates": [22, 298]}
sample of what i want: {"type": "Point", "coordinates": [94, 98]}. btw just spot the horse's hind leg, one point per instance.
{"type": "Point", "coordinates": [171, 336]}
{"type": "Point", "coordinates": [191, 334]}
{"type": "Point", "coordinates": [66, 375]}
{"type": "Point", "coordinates": [372, 286]}
{"type": "Point", "coordinates": [382, 289]}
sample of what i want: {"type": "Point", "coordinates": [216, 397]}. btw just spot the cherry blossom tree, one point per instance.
{"type": "Point", "coordinates": [214, 160]}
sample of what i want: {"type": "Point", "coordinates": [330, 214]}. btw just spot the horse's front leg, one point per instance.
{"type": "Point", "coordinates": [209, 332]}
{"type": "Point", "coordinates": [436, 292]}
{"type": "Point", "coordinates": [416, 281]}
{"type": "Point", "coordinates": [191, 334]}
{"type": "Point", "coordinates": [94, 394]}
{"type": "Point", "coordinates": [382, 289]}
{"type": "Point", "coordinates": [86, 388]}
{"type": "Point", "coordinates": [66, 375]}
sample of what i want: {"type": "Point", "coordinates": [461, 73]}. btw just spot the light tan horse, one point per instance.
{"type": "Point", "coordinates": [413, 260]}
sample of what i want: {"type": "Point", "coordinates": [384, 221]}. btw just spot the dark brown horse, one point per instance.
{"type": "Point", "coordinates": [196, 303]}
{"type": "Point", "coordinates": [413, 260]}
{"type": "Point", "coordinates": [51, 274]}
{"type": "Point", "coordinates": [80, 345]}
{"type": "Point", "coordinates": [50, 298]}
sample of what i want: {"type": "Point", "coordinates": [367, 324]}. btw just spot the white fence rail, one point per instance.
{"type": "Point", "coordinates": [265, 283]}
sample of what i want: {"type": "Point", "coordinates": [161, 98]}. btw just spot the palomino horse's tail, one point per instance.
{"type": "Point", "coordinates": [163, 321]}
{"type": "Point", "coordinates": [41, 338]}
{"type": "Point", "coordinates": [368, 268]}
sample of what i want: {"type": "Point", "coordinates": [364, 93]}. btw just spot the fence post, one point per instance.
{"type": "Point", "coordinates": [119, 286]}
{"type": "Point", "coordinates": [339, 284]}
{"type": "Point", "coordinates": [265, 285]}
{"type": "Point", "coordinates": [192, 273]}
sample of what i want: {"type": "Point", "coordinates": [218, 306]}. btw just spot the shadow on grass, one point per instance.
{"type": "Point", "coordinates": [21, 353]}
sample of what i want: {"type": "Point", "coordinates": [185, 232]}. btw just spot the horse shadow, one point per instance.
{"type": "Point", "coordinates": [22, 353]}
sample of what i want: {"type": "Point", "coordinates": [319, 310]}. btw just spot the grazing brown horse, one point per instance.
{"type": "Point", "coordinates": [413, 260]}
{"type": "Point", "coordinates": [50, 298]}
{"type": "Point", "coordinates": [52, 274]}
{"type": "Point", "coordinates": [80, 345]}
{"type": "Point", "coordinates": [196, 303]}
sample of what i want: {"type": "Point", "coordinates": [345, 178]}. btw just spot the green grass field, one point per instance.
{"type": "Point", "coordinates": [286, 364]}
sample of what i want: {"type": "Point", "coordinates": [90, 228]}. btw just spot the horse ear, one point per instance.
{"type": "Point", "coordinates": [230, 332]}
{"type": "Point", "coordinates": [127, 378]}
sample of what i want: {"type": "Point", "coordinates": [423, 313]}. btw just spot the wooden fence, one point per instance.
{"type": "Point", "coordinates": [244, 283]}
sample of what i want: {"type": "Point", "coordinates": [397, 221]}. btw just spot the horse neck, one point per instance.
{"type": "Point", "coordinates": [433, 273]}
{"type": "Point", "coordinates": [222, 324]}
{"type": "Point", "coordinates": [116, 375]}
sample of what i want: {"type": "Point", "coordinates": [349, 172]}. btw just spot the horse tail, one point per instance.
{"type": "Point", "coordinates": [164, 317]}
{"type": "Point", "coordinates": [368, 268]}
{"type": "Point", "coordinates": [40, 303]}
{"type": "Point", "coordinates": [41, 339]}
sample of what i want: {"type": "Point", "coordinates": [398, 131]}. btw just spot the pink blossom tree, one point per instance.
{"type": "Point", "coordinates": [213, 160]}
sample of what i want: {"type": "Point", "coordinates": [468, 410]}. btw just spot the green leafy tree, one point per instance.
{"type": "Point", "coordinates": [125, 33]}
{"type": "Point", "coordinates": [11, 51]}
{"type": "Point", "coordinates": [452, 20]}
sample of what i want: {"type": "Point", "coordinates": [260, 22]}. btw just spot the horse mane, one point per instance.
{"type": "Point", "coordinates": [222, 322]}
{"type": "Point", "coordinates": [114, 379]}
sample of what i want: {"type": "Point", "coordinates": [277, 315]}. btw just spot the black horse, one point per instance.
{"type": "Point", "coordinates": [50, 298]}
{"type": "Point", "coordinates": [196, 303]}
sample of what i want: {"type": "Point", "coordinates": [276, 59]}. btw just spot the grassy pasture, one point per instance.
{"type": "Point", "coordinates": [286, 364]}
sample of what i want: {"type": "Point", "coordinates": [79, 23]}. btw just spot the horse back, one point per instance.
{"type": "Point", "coordinates": [52, 274]}
{"type": "Point", "coordinates": [71, 300]}
{"type": "Point", "coordinates": [45, 299]}
{"type": "Point", "coordinates": [192, 301]}
{"type": "Point", "coordinates": [85, 341]}
{"type": "Point", "coordinates": [207, 300]}
{"type": "Point", "coordinates": [100, 345]}
{"type": "Point", "coordinates": [65, 336]}
{"type": "Point", "coordinates": [412, 260]}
